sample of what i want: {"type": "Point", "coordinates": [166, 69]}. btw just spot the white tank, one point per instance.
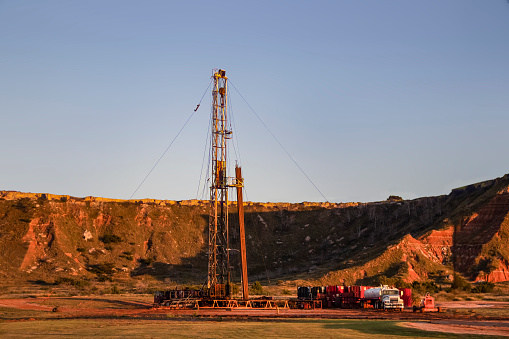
{"type": "Point", "coordinates": [374, 293]}
{"type": "Point", "coordinates": [377, 292]}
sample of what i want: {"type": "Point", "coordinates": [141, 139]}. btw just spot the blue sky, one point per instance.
{"type": "Point", "coordinates": [371, 98]}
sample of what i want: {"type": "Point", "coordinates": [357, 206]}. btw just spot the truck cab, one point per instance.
{"type": "Point", "coordinates": [390, 299]}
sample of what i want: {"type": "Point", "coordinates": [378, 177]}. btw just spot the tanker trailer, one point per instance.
{"type": "Point", "coordinates": [383, 297]}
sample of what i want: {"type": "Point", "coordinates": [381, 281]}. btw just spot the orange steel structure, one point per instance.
{"type": "Point", "coordinates": [219, 273]}
{"type": "Point", "coordinates": [242, 233]}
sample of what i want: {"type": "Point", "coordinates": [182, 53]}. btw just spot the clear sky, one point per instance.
{"type": "Point", "coordinates": [371, 98]}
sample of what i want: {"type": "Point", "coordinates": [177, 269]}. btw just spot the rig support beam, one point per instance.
{"type": "Point", "coordinates": [242, 233]}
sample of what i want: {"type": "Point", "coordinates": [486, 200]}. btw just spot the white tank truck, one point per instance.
{"type": "Point", "coordinates": [384, 297]}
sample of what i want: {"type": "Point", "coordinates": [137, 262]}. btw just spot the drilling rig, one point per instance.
{"type": "Point", "coordinates": [219, 272]}
{"type": "Point", "coordinates": [218, 281]}
{"type": "Point", "coordinates": [218, 284]}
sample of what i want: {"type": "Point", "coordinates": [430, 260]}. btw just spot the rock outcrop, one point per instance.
{"type": "Point", "coordinates": [45, 235]}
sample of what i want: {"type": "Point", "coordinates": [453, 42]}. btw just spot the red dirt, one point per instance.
{"type": "Point", "coordinates": [24, 304]}
{"type": "Point", "coordinates": [464, 327]}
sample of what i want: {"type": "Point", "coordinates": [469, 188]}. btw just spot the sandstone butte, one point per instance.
{"type": "Point", "coordinates": [45, 236]}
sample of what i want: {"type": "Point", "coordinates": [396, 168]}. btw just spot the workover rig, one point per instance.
{"type": "Point", "coordinates": [218, 289]}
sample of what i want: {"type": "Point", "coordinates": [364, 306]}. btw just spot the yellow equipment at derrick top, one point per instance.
{"type": "Point", "coordinates": [220, 73]}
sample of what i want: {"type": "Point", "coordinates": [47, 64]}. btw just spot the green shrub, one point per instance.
{"type": "Point", "coordinates": [146, 261]}
{"type": "Point", "coordinates": [424, 287]}
{"type": "Point", "coordinates": [286, 292]}
{"type": "Point", "coordinates": [41, 282]}
{"type": "Point", "coordinates": [103, 278]}
{"type": "Point", "coordinates": [24, 205]}
{"type": "Point", "coordinates": [110, 238]}
{"type": "Point", "coordinates": [80, 283]}
{"type": "Point", "coordinates": [63, 280]}
{"type": "Point", "coordinates": [257, 288]}
{"type": "Point", "coordinates": [399, 283]}
{"type": "Point", "coordinates": [102, 269]}
{"type": "Point", "coordinates": [127, 255]}
{"type": "Point", "coordinates": [483, 287]}
{"type": "Point", "coordinates": [459, 283]}
{"type": "Point", "coordinates": [234, 289]}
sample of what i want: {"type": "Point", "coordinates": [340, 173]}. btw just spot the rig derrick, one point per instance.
{"type": "Point", "coordinates": [218, 291]}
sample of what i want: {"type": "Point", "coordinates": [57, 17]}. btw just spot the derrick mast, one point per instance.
{"type": "Point", "coordinates": [219, 261]}
{"type": "Point", "coordinates": [219, 292]}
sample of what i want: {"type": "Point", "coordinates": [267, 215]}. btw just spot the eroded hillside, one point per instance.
{"type": "Point", "coordinates": [43, 237]}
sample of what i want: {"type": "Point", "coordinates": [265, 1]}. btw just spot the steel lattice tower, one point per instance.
{"type": "Point", "coordinates": [219, 261]}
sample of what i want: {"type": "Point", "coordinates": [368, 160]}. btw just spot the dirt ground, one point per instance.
{"type": "Point", "coordinates": [497, 328]}
{"type": "Point", "coordinates": [111, 306]}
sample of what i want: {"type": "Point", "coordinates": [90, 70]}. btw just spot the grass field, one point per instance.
{"type": "Point", "coordinates": [117, 316]}
{"type": "Point", "coordinates": [193, 328]}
